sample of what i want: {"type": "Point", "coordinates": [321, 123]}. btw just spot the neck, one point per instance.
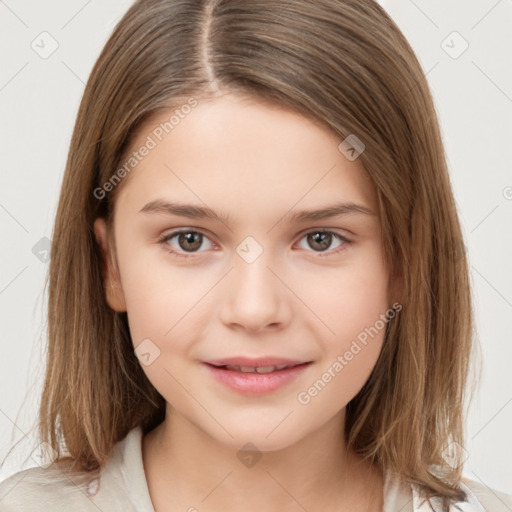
{"type": "Point", "coordinates": [187, 468]}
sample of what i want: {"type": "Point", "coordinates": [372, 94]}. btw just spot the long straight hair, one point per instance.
{"type": "Point", "coordinates": [345, 64]}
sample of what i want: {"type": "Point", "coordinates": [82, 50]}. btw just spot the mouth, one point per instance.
{"type": "Point", "coordinates": [256, 378]}
{"type": "Point", "coordinates": [256, 369]}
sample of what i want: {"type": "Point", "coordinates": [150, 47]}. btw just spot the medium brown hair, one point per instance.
{"type": "Point", "coordinates": [345, 64]}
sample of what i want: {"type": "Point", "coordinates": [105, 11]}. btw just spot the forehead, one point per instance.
{"type": "Point", "coordinates": [239, 154]}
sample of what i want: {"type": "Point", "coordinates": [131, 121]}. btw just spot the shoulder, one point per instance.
{"type": "Point", "coordinates": [490, 499]}
{"type": "Point", "coordinates": [479, 498]}
{"type": "Point", "coordinates": [44, 489]}
{"type": "Point", "coordinates": [119, 485]}
{"type": "Point", "coordinates": [406, 497]}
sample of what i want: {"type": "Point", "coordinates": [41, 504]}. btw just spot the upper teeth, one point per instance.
{"type": "Point", "coordinates": [259, 369]}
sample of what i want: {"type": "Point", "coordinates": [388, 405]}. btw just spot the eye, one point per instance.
{"type": "Point", "coordinates": [187, 240]}
{"type": "Point", "coordinates": [184, 241]}
{"type": "Point", "coordinates": [320, 240]}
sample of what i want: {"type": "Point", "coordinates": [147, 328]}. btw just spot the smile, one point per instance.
{"type": "Point", "coordinates": [257, 380]}
{"type": "Point", "coordinates": [259, 369]}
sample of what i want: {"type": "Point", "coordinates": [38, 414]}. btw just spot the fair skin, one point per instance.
{"type": "Point", "coordinates": [257, 164]}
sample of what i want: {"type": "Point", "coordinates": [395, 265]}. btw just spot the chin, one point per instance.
{"type": "Point", "coordinates": [266, 436]}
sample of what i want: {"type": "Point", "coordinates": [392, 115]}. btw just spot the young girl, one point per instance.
{"type": "Point", "coordinates": [258, 293]}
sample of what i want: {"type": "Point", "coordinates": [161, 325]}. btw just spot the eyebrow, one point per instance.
{"type": "Point", "coordinates": [203, 212]}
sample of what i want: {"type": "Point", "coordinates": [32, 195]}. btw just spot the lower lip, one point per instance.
{"type": "Point", "coordinates": [256, 383]}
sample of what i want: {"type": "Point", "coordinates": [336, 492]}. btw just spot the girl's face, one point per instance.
{"type": "Point", "coordinates": [250, 276]}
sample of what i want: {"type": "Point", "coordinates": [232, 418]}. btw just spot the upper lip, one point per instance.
{"type": "Point", "coordinates": [259, 362]}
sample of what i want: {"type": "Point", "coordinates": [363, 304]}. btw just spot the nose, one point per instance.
{"type": "Point", "coordinates": [256, 298]}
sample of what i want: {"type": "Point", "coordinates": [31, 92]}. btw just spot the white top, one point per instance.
{"type": "Point", "coordinates": [122, 486]}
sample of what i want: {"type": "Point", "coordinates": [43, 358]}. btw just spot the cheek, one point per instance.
{"type": "Point", "coordinates": [348, 298]}
{"type": "Point", "coordinates": [160, 297]}
{"type": "Point", "coordinates": [352, 303]}
{"type": "Point", "coordinates": [163, 303]}
{"type": "Point", "coordinates": [350, 354]}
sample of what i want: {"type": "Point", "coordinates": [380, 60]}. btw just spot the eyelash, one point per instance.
{"type": "Point", "coordinates": [321, 254]}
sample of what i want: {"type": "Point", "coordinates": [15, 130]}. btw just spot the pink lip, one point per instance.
{"type": "Point", "coordinates": [256, 383]}
{"type": "Point", "coordinates": [254, 362]}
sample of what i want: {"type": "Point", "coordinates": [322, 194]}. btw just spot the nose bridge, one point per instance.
{"type": "Point", "coordinates": [256, 298]}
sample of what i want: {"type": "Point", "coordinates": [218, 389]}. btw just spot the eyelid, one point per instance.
{"type": "Point", "coordinates": [168, 236]}
{"type": "Point", "coordinates": [342, 233]}
{"type": "Point", "coordinates": [332, 252]}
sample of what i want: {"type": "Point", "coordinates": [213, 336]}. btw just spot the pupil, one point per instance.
{"type": "Point", "coordinates": [322, 239]}
{"type": "Point", "coordinates": [192, 239]}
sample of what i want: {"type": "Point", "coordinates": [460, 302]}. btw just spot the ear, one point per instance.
{"type": "Point", "coordinates": [111, 280]}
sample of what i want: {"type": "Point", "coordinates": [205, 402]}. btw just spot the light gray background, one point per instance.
{"type": "Point", "coordinates": [39, 98]}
